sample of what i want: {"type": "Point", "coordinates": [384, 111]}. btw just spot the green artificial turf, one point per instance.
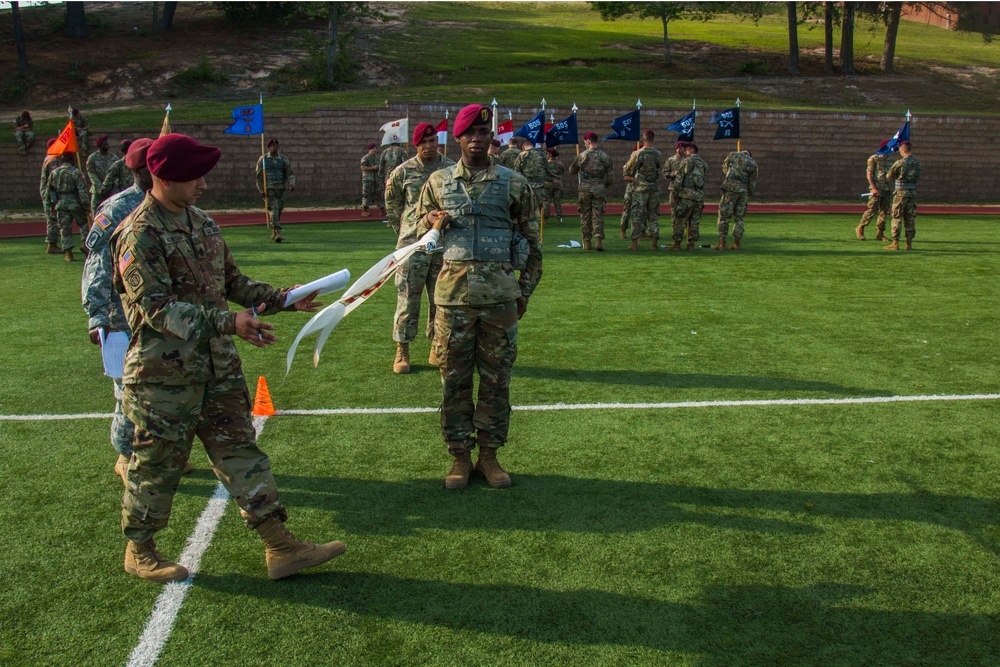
{"type": "Point", "coordinates": [706, 536]}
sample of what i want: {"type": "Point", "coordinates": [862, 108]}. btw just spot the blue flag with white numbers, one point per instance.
{"type": "Point", "coordinates": [563, 132]}
{"type": "Point", "coordinates": [897, 139]}
{"type": "Point", "coordinates": [626, 128]}
{"type": "Point", "coordinates": [247, 120]}
{"type": "Point", "coordinates": [729, 124]}
{"type": "Point", "coordinates": [534, 129]}
{"type": "Point", "coordinates": [685, 126]}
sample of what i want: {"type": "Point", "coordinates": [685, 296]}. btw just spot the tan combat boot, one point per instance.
{"type": "Point", "coordinates": [690, 245]}
{"type": "Point", "coordinates": [365, 213]}
{"type": "Point", "coordinates": [52, 249]}
{"type": "Point", "coordinates": [860, 231]}
{"type": "Point", "coordinates": [623, 234]}
{"type": "Point", "coordinates": [121, 469]}
{"type": "Point", "coordinates": [721, 245]}
{"type": "Point", "coordinates": [276, 235]}
{"type": "Point", "coordinates": [909, 245]}
{"type": "Point", "coordinates": [188, 468]}
{"type": "Point", "coordinates": [285, 554]}
{"type": "Point", "coordinates": [587, 245]}
{"type": "Point", "coordinates": [68, 256]}
{"type": "Point", "coordinates": [599, 244]}
{"type": "Point", "coordinates": [674, 246]}
{"type": "Point", "coordinates": [145, 562]}
{"type": "Point", "coordinates": [892, 246]}
{"type": "Point", "coordinates": [881, 235]}
{"type": "Point", "coordinates": [458, 474]}
{"type": "Point", "coordinates": [488, 466]}
{"type": "Point", "coordinates": [634, 245]}
{"type": "Point", "coordinates": [654, 242]}
{"type": "Point", "coordinates": [401, 365]}
{"type": "Point", "coordinates": [736, 244]}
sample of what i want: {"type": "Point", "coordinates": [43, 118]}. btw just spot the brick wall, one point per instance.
{"type": "Point", "coordinates": [802, 155]}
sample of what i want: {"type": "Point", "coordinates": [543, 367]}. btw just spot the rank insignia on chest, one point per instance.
{"type": "Point", "coordinates": [102, 221]}
{"type": "Point", "coordinates": [125, 261]}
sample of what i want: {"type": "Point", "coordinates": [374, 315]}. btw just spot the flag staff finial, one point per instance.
{"type": "Point", "coordinates": [907, 114]}
{"type": "Point", "coordinates": [737, 101]}
{"type": "Point", "coordinates": [543, 104]}
{"type": "Point", "coordinates": [638, 104]}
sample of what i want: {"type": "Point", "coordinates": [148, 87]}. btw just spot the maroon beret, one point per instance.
{"type": "Point", "coordinates": [48, 144]}
{"type": "Point", "coordinates": [372, 145]}
{"type": "Point", "coordinates": [272, 141]}
{"type": "Point", "coordinates": [422, 130]}
{"type": "Point", "coordinates": [125, 143]}
{"type": "Point", "coordinates": [76, 112]}
{"type": "Point", "coordinates": [101, 141]}
{"type": "Point", "coordinates": [680, 144]}
{"type": "Point", "coordinates": [474, 114]}
{"type": "Point", "coordinates": [496, 143]}
{"type": "Point", "coordinates": [592, 136]}
{"type": "Point", "coordinates": [553, 152]}
{"type": "Point", "coordinates": [905, 143]}
{"type": "Point", "coordinates": [135, 158]}
{"type": "Point", "coordinates": [885, 142]}
{"type": "Point", "coordinates": [178, 157]}
{"type": "Point", "coordinates": [691, 144]}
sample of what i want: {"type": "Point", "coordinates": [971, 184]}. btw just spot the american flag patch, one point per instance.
{"type": "Point", "coordinates": [102, 221]}
{"type": "Point", "coordinates": [125, 261]}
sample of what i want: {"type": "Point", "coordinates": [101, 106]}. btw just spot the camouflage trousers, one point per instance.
{"type": "Point", "coordinates": [904, 214]}
{"type": "Point", "coordinates": [417, 273]}
{"type": "Point", "coordinates": [686, 216]}
{"type": "Point", "coordinates": [65, 217]}
{"type": "Point", "coordinates": [51, 224]}
{"type": "Point", "coordinates": [81, 143]}
{"type": "Point", "coordinates": [552, 199]}
{"type": "Point", "coordinates": [483, 339]}
{"type": "Point", "coordinates": [627, 208]}
{"type": "Point", "coordinates": [24, 139]}
{"type": "Point", "coordinates": [122, 429]}
{"type": "Point", "coordinates": [592, 214]}
{"type": "Point", "coordinates": [369, 194]}
{"type": "Point", "coordinates": [166, 420]}
{"type": "Point", "coordinates": [733, 206]}
{"type": "Point", "coordinates": [275, 205]}
{"type": "Point", "coordinates": [645, 214]}
{"type": "Point", "coordinates": [881, 205]}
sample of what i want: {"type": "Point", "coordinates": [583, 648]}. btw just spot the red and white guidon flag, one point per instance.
{"type": "Point", "coordinates": [396, 132]}
{"type": "Point", "coordinates": [505, 131]}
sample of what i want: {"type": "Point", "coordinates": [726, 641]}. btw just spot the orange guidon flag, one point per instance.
{"type": "Point", "coordinates": [66, 142]}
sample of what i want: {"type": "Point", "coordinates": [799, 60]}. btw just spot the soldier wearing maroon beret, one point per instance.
{"type": "Point", "coordinates": [487, 216]}
{"type": "Point", "coordinates": [595, 170]}
{"type": "Point", "coordinates": [274, 175]}
{"type": "Point", "coordinates": [182, 374]}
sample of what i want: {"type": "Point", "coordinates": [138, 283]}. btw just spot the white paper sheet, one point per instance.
{"type": "Point", "coordinates": [113, 348]}
{"type": "Point", "coordinates": [325, 285]}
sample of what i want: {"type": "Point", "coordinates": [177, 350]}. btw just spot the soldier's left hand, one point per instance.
{"type": "Point", "coordinates": [522, 306]}
{"type": "Point", "coordinates": [95, 335]}
{"type": "Point", "coordinates": [252, 330]}
{"type": "Point", "coordinates": [306, 303]}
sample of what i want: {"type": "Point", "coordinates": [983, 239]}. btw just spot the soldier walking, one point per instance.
{"type": "Point", "coordinates": [643, 168]}
{"type": "Point", "coordinates": [687, 196]}
{"type": "Point", "coordinates": [98, 165]}
{"type": "Point", "coordinates": [740, 180]}
{"type": "Point", "coordinates": [880, 198]}
{"type": "Point", "coordinates": [67, 194]}
{"type": "Point", "coordinates": [553, 190]}
{"type": "Point", "coordinates": [594, 167]}
{"type": "Point", "coordinates": [906, 172]}
{"type": "Point", "coordinates": [278, 170]}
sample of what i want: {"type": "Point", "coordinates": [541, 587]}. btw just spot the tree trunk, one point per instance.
{"type": "Point", "coordinates": [847, 40]}
{"type": "Point", "coordinates": [22, 52]}
{"type": "Point", "coordinates": [666, 40]}
{"type": "Point", "coordinates": [889, 49]}
{"type": "Point", "coordinates": [331, 43]}
{"type": "Point", "coordinates": [793, 39]}
{"type": "Point", "coordinates": [76, 20]}
{"type": "Point", "coordinates": [166, 21]}
{"type": "Point", "coordinates": [828, 32]}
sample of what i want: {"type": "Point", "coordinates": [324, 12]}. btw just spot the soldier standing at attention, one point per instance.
{"type": "Point", "coordinates": [183, 375]}
{"type": "Point", "coordinates": [98, 165]}
{"type": "Point", "coordinates": [82, 127]}
{"type": "Point", "coordinates": [369, 179]}
{"type": "Point", "coordinates": [880, 201]}
{"type": "Point", "coordinates": [594, 167]}
{"type": "Point", "coordinates": [626, 204]}
{"type": "Point", "coordinates": [669, 170]}
{"type": "Point", "coordinates": [278, 170]}
{"type": "Point", "coordinates": [51, 221]}
{"type": "Point", "coordinates": [120, 177]}
{"type": "Point", "coordinates": [67, 193]}
{"type": "Point", "coordinates": [553, 192]}
{"type": "Point", "coordinates": [420, 270]}
{"type": "Point", "coordinates": [688, 196]}
{"type": "Point", "coordinates": [24, 132]}
{"type": "Point", "coordinates": [509, 156]}
{"type": "Point", "coordinates": [906, 172]}
{"type": "Point", "coordinates": [644, 169]}
{"type": "Point", "coordinates": [486, 214]}
{"type": "Point", "coordinates": [530, 163]}
{"type": "Point", "coordinates": [391, 157]}
{"type": "Point", "coordinates": [740, 181]}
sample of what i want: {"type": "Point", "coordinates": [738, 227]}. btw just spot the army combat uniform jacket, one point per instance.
{"type": "Point", "coordinates": [402, 195]}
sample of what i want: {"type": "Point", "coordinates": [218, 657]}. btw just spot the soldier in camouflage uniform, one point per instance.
{"type": "Point", "coordinates": [906, 172]}
{"type": "Point", "coordinates": [82, 127]}
{"type": "Point", "coordinates": [644, 169]}
{"type": "Point", "coordinates": [669, 171]}
{"type": "Point", "coordinates": [278, 170]}
{"type": "Point", "coordinates": [626, 205]}
{"type": "Point", "coordinates": [420, 270]}
{"type": "Point", "coordinates": [24, 131]}
{"type": "Point", "coordinates": [509, 156]}
{"type": "Point", "coordinates": [495, 147]}
{"type": "Point", "coordinates": [49, 165]}
{"type": "Point", "coordinates": [391, 157]}
{"type": "Point", "coordinates": [183, 375]}
{"type": "Point", "coordinates": [369, 179]}
{"type": "Point", "coordinates": [67, 194]}
{"type": "Point", "coordinates": [120, 177]}
{"type": "Point", "coordinates": [553, 191]}
{"type": "Point", "coordinates": [490, 231]}
{"type": "Point", "coordinates": [98, 165]}
{"type": "Point", "coordinates": [102, 304]}
{"type": "Point", "coordinates": [740, 181]}
{"type": "Point", "coordinates": [595, 169]}
{"type": "Point", "coordinates": [688, 196]}
{"type": "Point", "coordinates": [880, 199]}
{"type": "Point", "coordinates": [531, 163]}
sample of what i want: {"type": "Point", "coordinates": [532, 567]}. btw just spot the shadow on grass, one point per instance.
{"type": "Point", "coordinates": [690, 380]}
{"type": "Point", "coordinates": [823, 624]}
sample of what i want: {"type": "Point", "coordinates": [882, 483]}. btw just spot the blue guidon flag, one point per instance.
{"type": "Point", "coordinates": [897, 139]}
{"type": "Point", "coordinates": [534, 129]}
{"type": "Point", "coordinates": [729, 124]}
{"type": "Point", "coordinates": [563, 132]}
{"type": "Point", "coordinates": [684, 126]}
{"type": "Point", "coordinates": [626, 128]}
{"type": "Point", "coordinates": [247, 120]}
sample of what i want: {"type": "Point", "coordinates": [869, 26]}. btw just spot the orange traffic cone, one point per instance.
{"type": "Point", "coordinates": [262, 406]}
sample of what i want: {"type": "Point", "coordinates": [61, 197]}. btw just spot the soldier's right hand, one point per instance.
{"type": "Point", "coordinates": [252, 330]}
{"type": "Point", "coordinates": [438, 219]}
{"type": "Point", "coordinates": [95, 335]}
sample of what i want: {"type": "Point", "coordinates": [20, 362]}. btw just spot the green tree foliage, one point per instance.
{"type": "Point", "coordinates": [665, 11]}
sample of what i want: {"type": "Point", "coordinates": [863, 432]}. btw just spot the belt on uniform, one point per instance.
{"type": "Point", "coordinates": [906, 186]}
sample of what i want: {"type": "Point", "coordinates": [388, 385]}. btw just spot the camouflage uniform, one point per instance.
{"type": "Point", "coordinates": [68, 195]}
{"type": "Point", "coordinates": [82, 127]}
{"type": "Point", "coordinates": [391, 157]}
{"type": "Point", "coordinates": [183, 375]}
{"type": "Point", "coordinates": [669, 173]}
{"type": "Point", "coordinates": [369, 181]}
{"type": "Point", "coordinates": [687, 198]}
{"type": "Point", "coordinates": [740, 173]}
{"type": "Point", "coordinates": [24, 137]}
{"type": "Point", "coordinates": [119, 178]}
{"type": "Point", "coordinates": [420, 271]}
{"type": "Point", "coordinates": [279, 176]}
{"type": "Point", "coordinates": [98, 165]}
{"type": "Point", "coordinates": [553, 191]}
{"type": "Point", "coordinates": [51, 163]}
{"type": "Point", "coordinates": [509, 157]}
{"type": "Point", "coordinates": [101, 302]}
{"type": "Point", "coordinates": [644, 166]}
{"type": "Point", "coordinates": [906, 172]}
{"type": "Point", "coordinates": [532, 165]}
{"type": "Point", "coordinates": [476, 293]}
{"type": "Point", "coordinates": [879, 203]}
{"type": "Point", "coordinates": [594, 167]}
{"type": "Point", "coordinates": [626, 204]}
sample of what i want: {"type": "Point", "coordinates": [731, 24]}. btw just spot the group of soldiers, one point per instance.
{"type": "Point", "coordinates": [899, 202]}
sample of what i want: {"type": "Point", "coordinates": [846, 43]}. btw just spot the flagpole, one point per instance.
{"type": "Point", "coordinates": [638, 105]}
{"type": "Point", "coordinates": [494, 105]}
{"type": "Point", "coordinates": [446, 130]}
{"type": "Point", "coordinates": [263, 165]}
{"type": "Point", "coordinates": [737, 138]}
